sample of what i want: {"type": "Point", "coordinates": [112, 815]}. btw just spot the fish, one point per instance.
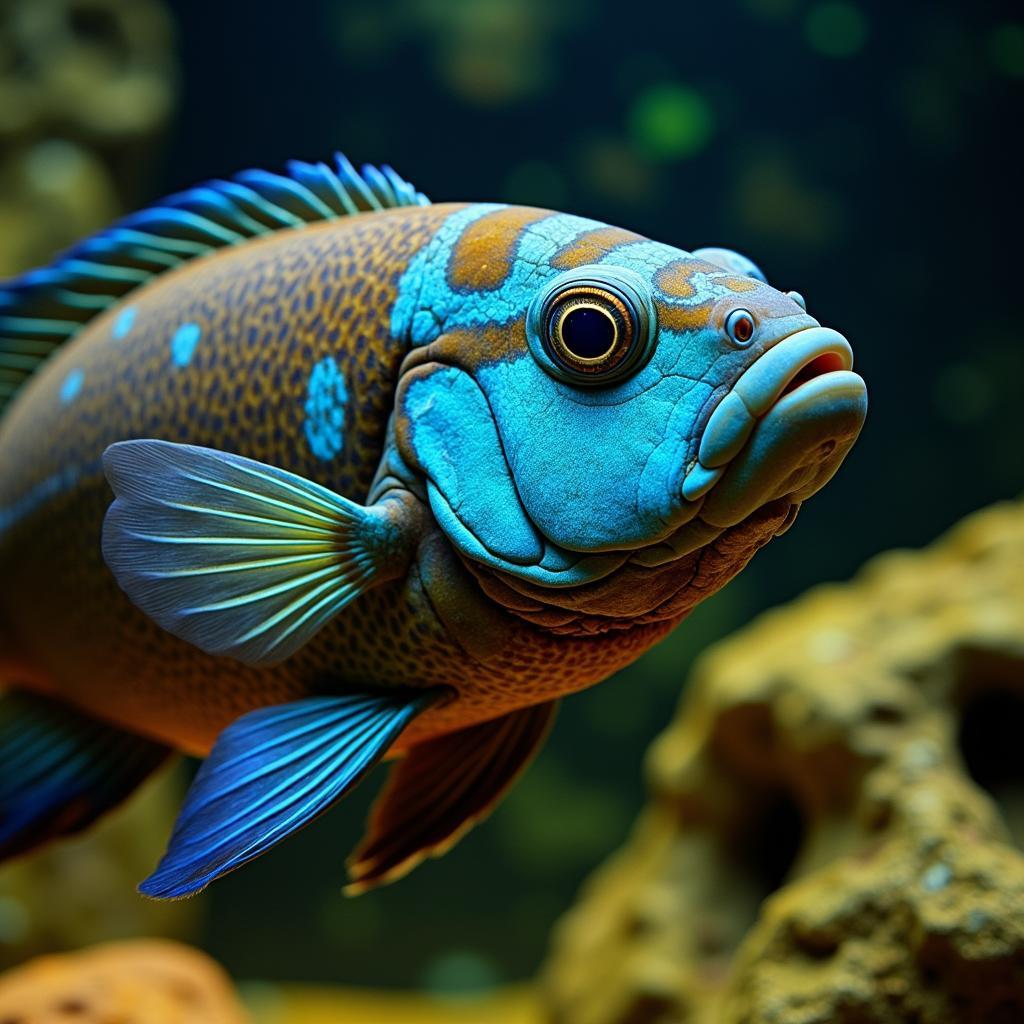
{"type": "Point", "coordinates": [301, 472]}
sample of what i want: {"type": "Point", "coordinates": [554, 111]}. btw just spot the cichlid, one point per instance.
{"type": "Point", "coordinates": [301, 472]}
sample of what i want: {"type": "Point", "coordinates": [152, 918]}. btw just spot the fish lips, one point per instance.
{"type": "Point", "coordinates": [782, 431]}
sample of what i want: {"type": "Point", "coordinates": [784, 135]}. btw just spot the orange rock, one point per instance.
{"type": "Point", "coordinates": [143, 982]}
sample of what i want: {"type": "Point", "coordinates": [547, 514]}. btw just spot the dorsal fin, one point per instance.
{"type": "Point", "coordinates": [43, 308]}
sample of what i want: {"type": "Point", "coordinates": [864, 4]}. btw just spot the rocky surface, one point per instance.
{"type": "Point", "coordinates": [830, 832]}
{"type": "Point", "coordinates": [153, 982]}
{"type": "Point", "coordinates": [86, 90]}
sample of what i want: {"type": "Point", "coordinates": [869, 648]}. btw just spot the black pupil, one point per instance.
{"type": "Point", "coordinates": [587, 333]}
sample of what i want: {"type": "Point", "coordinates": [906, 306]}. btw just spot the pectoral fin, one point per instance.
{"type": "Point", "coordinates": [235, 556]}
{"type": "Point", "coordinates": [441, 789]}
{"type": "Point", "coordinates": [270, 773]}
{"type": "Point", "coordinates": [60, 770]}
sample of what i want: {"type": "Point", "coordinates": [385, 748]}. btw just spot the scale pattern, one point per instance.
{"type": "Point", "coordinates": [286, 349]}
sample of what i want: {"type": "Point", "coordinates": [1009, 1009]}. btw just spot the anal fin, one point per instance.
{"type": "Point", "coordinates": [60, 770]}
{"type": "Point", "coordinates": [441, 789]}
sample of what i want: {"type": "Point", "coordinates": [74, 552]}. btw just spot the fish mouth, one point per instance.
{"type": "Point", "coordinates": [783, 429]}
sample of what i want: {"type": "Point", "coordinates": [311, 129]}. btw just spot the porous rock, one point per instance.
{"type": "Point", "coordinates": [830, 832]}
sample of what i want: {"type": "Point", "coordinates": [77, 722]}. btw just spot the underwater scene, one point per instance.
{"type": "Point", "coordinates": [511, 512]}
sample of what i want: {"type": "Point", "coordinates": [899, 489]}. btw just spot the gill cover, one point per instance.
{"type": "Point", "coordinates": [455, 422]}
{"type": "Point", "coordinates": [451, 438]}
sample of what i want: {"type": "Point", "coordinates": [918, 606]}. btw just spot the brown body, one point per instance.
{"type": "Point", "coordinates": [382, 481]}
{"type": "Point", "coordinates": [268, 310]}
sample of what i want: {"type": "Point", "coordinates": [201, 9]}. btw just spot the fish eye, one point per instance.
{"type": "Point", "coordinates": [589, 330]}
{"type": "Point", "coordinates": [739, 325]}
{"type": "Point", "coordinates": [593, 325]}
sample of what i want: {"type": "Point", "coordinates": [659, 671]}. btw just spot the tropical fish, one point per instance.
{"type": "Point", "coordinates": [301, 472]}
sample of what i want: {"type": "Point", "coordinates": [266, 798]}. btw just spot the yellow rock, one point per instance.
{"type": "Point", "coordinates": [146, 982]}
{"type": "Point", "coordinates": [815, 848]}
{"type": "Point", "coordinates": [296, 1005]}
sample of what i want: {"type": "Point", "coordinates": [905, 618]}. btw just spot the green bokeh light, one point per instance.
{"type": "Point", "coordinates": [964, 393]}
{"type": "Point", "coordinates": [457, 971]}
{"type": "Point", "coordinates": [536, 183]}
{"type": "Point", "coordinates": [836, 29]}
{"type": "Point", "coordinates": [670, 122]}
{"type": "Point", "coordinates": [1006, 48]}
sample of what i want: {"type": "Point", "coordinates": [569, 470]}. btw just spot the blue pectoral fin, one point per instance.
{"type": "Point", "coordinates": [270, 773]}
{"type": "Point", "coordinates": [235, 556]}
{"type": "Point", "coordinates": [60, 770]}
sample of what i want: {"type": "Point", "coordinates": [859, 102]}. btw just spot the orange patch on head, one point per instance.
{"type": "Point", "coordinates": [482, 257]}
{"type": "Point", "coordinates": [591, 246]}
{"type": "Point", "coordinates": [740, 284]}
{"type": "Point", "coordinates": [469, 348]}
{"type": "Point", "coordinates": [684, 318]}
{"type": "Point", "coordinates": [674, 278]}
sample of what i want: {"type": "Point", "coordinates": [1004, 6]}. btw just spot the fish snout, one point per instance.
{"type": "Point", "coordinates": [783, 429]}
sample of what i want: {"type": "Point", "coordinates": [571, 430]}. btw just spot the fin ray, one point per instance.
{"type": "Point", "coordinates": [270, 773]}
{"type": "Point", "coordinates": [55, 301]}
{"type": "Point", "coordinates": [441, 789]}
{"type": "Point", "coordinates": [180, 538]}
{"type": "Point", "coordinates": [60, 770]}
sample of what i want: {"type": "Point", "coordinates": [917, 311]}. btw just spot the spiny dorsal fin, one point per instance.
{"type": "Point", "coordinates": [43, 308]}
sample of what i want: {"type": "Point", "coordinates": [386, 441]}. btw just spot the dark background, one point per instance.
{"type": "Point", "coordinates": [864, 154]}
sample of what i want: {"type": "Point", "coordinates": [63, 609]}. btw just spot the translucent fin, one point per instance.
{"type": "Point", "coordinates": [60, 770]}
{"type": "Point", "coordinates": [235, 556]}
{"type": "Point", "coordinates": [272, 772]}
{"type": "Point", "coordinates": [43, 308]}
{"type": "Point", "coordinates": [440, 790]}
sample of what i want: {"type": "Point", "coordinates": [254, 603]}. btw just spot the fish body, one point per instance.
{"type": "Point", "coordinates": [447, 463]}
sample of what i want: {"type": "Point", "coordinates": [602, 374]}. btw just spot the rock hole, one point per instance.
{"type": "Point", "coordinates": [72, 1008]}
{"type": "Point", "coordinates": [881, 713]}
{"type": "Point", "coordinates": [97, 25]}
{"type": "Point", "coordinates": [756, 857]}
{"type": "Point", "coordinates": [770, 840]}
{"type": "Point", "coordinates": [991, 727]}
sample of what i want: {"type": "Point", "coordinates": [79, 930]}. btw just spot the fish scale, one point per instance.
{"type": "Point", "coordinates": [294, 448]}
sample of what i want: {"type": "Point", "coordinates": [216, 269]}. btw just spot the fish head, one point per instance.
{"type": "Point", "coordinates": [607, 400]}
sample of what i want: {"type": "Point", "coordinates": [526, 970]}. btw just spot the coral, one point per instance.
{"type": "Point", "coordinates": [830, 834]}
{"type": "Point", "coordinates": [151, 982]}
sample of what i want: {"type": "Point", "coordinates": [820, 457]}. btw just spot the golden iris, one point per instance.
{"type": "Point", "coordinates": [590, 331]}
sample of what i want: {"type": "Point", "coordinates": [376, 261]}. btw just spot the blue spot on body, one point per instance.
{"type": "Point", "coordinates": [184, 342]}
{"type": "Point", "coordinates": [326, 395]}
{"type": "Point", "coordinates": [72, 385]}
{"type": "Point", "coordinates": [124, 322]}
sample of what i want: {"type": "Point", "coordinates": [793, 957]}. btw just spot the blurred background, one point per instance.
{"type": "Point", "coordinates": [860, 152]}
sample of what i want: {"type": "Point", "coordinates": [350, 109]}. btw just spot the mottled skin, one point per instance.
{"type": "Point", "coordinates": [268, 311]}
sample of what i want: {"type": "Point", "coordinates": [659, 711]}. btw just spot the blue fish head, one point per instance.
{"type": "Point", "coordinates": [586, 398]}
